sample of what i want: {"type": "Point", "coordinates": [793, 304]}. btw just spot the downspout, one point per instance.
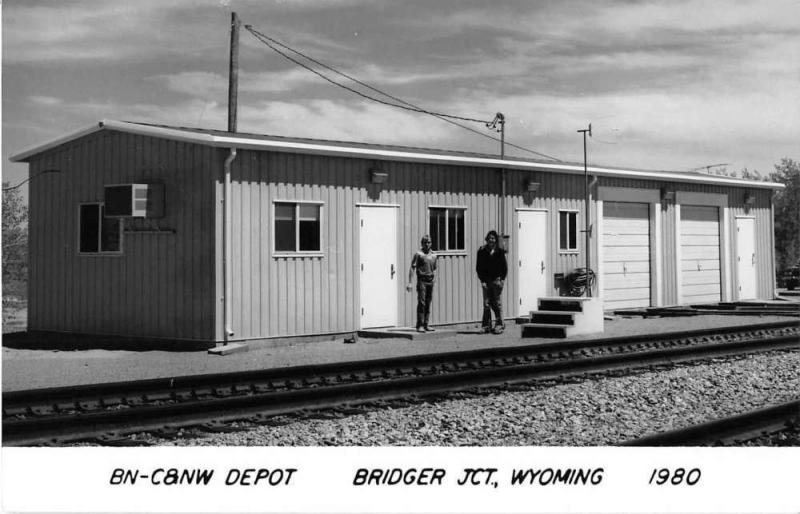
{"type": "Point", "coordinates": [227, 248]}
{"type": "Point", "coordinates": [772, 242]}
{"type": "Point", "coordinates": [502, 219]}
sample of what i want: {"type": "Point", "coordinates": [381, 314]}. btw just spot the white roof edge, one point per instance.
{"type": "Point", "coordinates": [346, 151]}
{"type": "Point", "coordinates": [41, 147]}
{"type": "Point", "coordinates": [242, 142]}
{"type": "Point", "coordinates": [148, 130]}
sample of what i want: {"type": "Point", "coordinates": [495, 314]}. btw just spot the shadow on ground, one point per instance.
{"type": "Point", "coordinates": [52, 341]}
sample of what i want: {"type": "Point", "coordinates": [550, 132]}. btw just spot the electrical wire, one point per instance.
{"type": "Point", "coordinates": [269, 41]}
{"type": "Point", "coordinates": [11, 188]}
{"type": "Point", "coordinates": [423, 111]}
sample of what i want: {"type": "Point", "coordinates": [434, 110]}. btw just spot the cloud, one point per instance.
{"type": "Point", "coordinates": [45, 100]}
{"type": "Point", "coordinates": [657, 129]}
{"type": "Point", "coordinates": [203, 84]}
{"type": "Point", "coordinates": [686, 83]}
{"type": "Point", "coordinates": [92, 30]}
{"type": "Point", "coordinates": [346, 121]}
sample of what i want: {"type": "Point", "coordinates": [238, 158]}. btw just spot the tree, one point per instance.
{"type": "Point", "coordinates": [787, 213]}
{"type": "Point", "coordinates": [15, 242]}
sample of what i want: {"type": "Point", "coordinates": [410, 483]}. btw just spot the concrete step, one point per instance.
{"type": "Point", "coordinates": [557, 317]}
{"type": "Point", "coordinates": [228, 349]}
{"type": "Point", "coordinates": [546, 330]}
{"type": "Point", "coordinates": [562, 303]}
{"type": "Point", "coordinates": [405, 333]}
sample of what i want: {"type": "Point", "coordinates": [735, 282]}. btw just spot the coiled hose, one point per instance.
{"type": "Point", "coordinates": [579, 281]}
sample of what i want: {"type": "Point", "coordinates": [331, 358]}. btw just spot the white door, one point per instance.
{"type": "Point", "coordinates": [626, 255]}
{"type": "Point", "coordinates": [378, 266]}
{"type": "Point", "coordinates": [746, 258]}
{"type": "Point", "coordinates": [532, 254]}
{"type": "Point", "coordinates": [700, 263]}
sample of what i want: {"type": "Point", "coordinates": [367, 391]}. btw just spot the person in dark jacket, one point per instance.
{"type": "Point", "coordinates": [492, 269]}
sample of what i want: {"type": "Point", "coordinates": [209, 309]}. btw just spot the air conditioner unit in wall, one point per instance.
{"type": "Point", "coordinates": [134, 200]}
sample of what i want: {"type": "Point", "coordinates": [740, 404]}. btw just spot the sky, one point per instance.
{"type": "Point", "coordinates": [669, 85]}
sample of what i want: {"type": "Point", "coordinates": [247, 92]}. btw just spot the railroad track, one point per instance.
{"type": "Point", "coordinates": [731, 430]}
{"type": "Point", "coordinates": [105, 412]}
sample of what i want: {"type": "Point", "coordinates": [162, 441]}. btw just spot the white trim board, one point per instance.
{"type": "Point", "coordinates": [367, 204]}
{"type": "Point", "coordinates": [628, 194]}
{"type": "Point", "coordinates": [686, 198]}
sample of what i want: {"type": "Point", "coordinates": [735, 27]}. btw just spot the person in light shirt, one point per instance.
{"type": "Point", "coordinates": [423, 264]}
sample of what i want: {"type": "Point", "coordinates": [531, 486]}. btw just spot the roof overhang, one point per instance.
{"type": "Point", "coordinates": [322, 148]}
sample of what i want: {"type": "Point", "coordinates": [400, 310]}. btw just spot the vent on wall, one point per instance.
{"type": "Point", "coordinates": [134, 201]}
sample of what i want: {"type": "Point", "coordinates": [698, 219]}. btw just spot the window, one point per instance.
{"type": "Point", "coordinates": [447, 228]}
{"type": "Point", "coordinates": [297, 227]}
{"type": "Point", "coordinates": [98, 234]}
{"type": "Point", "coordinates": [568, 231]}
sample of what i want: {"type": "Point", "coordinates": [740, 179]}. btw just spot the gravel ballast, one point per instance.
{"type": "Point", "coordinates": [593, 411]}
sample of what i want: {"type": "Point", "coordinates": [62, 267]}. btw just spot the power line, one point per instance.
{"type": "Point", "coordinates": [270, 42]}
{"type": "Point", "coordinates": [11, 188]}
{"type": "Point", "coordinates": [266, 41]}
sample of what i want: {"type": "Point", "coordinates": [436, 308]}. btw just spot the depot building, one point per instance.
{"type": "Point", "coordinates": [177, 233]}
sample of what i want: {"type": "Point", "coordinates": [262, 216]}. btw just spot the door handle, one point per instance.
{"type": "Point", "coordinates": [392, 270]}
{"type": "Point", "coordinates": [542, 266]}
{"type": "Point", "coordinates": [753, 260]}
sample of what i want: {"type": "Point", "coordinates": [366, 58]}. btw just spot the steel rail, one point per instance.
{"type": "Point", "coordinates": [729, 430]}
{"type": "Point", "coordinates": [362, 381]}
{"type": "Point", "coordinates": [159, 386]}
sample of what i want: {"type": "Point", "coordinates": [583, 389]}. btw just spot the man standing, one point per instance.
{"type": "Point", "coordinates": [492, 269]}
{"type": "Point", "coordinates": [424, 263]}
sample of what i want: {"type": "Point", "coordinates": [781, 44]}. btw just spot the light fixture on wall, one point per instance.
{"type": "Point", "coordinates": [749, 199]}
{"type": "Point", "coordinates": [531, 186]}
{"type": "Point", "coordinates": [667, 194]}
{"type": "Point", "coordinates": [377, 177]}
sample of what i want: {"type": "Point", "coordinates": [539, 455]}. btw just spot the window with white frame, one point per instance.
{"type": "Point", "coordinates": [96, 233]}
{"type": "Point", "coordinates": [568, 231]}
{"type": "Point", "coordinates": [298, 227]}
{"type": "Point", "coordinates": [447, 228]}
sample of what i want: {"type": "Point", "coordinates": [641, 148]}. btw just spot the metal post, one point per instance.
{"type": "Point", "coordinates": [502, 121]}
{"type": "Point", "coordinates": [586, 228]}
{"type": "Point", "coordinates": [499, 118]}
{"type": "Point", "coordinates": [233, 74]}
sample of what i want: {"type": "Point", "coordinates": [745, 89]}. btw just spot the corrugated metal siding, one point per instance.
{"type": "Point", "coordinates": [161, 284]}
{"type": "Point", "coordinates": [290, 292]}
{"type": "Point", "coordinates": [281, 296]}
{"type": "Point", "coordinates": [669, 285]}
{"type": "Point", "coordinates": [276, 296]}
{"type": "Point", "coordinates": [556, 192]}
{"type": "Point", "coordinates": [171, 285]}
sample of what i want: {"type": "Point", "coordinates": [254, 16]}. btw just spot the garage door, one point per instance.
{"type": "Point", "coordinates": [626, 255]}
{"type": "Point", "coordinates": [700, 269]}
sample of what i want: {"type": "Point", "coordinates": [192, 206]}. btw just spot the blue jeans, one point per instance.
{"type": "Point", "coordinates": [492, 302]}
{"type": "Point", "coordinates": [424, 297]}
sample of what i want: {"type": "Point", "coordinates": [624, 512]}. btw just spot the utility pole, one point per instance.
{"type": "Point", "coordinates": [499, 119]}
{"type": "Point", "coordinates": [586, 228]}
{"type": "Point", "coordinates": [233, 73]}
